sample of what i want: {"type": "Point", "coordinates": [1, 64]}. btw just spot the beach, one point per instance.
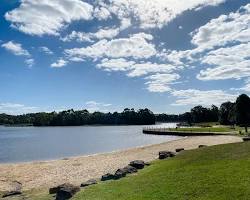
{"type": "Point", "coordinates": [76, 170]}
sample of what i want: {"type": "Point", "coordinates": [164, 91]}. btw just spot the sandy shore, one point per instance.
{"type": "Point", "coordinates": [78, 169]}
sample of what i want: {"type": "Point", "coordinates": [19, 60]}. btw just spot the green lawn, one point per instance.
{"type": "Point", "coordinates": [215, 173]}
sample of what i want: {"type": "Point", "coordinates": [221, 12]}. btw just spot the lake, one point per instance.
{"type": "Point", "coordinates": [21, 144]}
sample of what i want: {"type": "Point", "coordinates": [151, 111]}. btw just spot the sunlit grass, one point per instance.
{"type": "Point", "coordinates": [213, 173]}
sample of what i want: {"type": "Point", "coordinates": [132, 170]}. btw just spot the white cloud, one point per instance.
{"type": "Point", "coordinates": [136, 46]}
{"type": "Point", "coordinates": [60, 63]}
{"type": "Point", "coordinates": [103, 33]}
{"type": "Point", "coordinates": [157, 13]}
{"type": "Point", "coordinates": [30, 62]}
{"type": "Point", "coordinates": [144, 68]}
{"type": "Point", "coordinates": [161, 74]}
{"type": "Point", "coordinates": [102, 13]}
{"type": "Point", "coordinates": [119, 64]}
{"type": "Point", "coordinates": [135, 69]}
{"type": "Point", "coordinates": [15, 48]}
{"type": "Point", "coordinates": [199, 97]}
{"type": "Point", "coordinates": [160, 82]}
{"type": "Point", "coordinates": [13, 108]}
{"type": "Point", "coordinates": [229, 63]}
{"type": "Point", "coordinates": [90, 37]}
{"type": "Point", "coordinates": [46, 50]}
{"type": "Point", "coordinates": [18, 50]}
{"type": "Point", "coordinates": [223, 30]}
{"type": "Point", "coordinates": [93, 106]}
{"type": "Point", "coordinates": [36, 17]}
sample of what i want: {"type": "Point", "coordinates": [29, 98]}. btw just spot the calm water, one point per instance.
{"type": "Point", "coordinates": [18, 144]}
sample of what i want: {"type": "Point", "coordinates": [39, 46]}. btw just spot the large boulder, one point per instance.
{"type": "Point", "coordinates": [120, 173]}
{"type": "Point", "coordinates": [107, 177]}
{"type": "Point", "coordinates": [89, 182]}
{"type": "Point", "coordinates": [64, 191]}
{"type": "Point", "coordinates": [130, 170]}
{"type": "Point", "coordinates": [138, 164]}
{"type": "Point", "coordinates": [166, 154]}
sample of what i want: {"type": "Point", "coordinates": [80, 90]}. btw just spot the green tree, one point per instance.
{"type": "Point", "coordinates": [242, 111]}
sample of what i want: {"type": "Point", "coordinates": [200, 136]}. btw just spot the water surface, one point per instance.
{"type": "Point", "coordinates": [19, 144]}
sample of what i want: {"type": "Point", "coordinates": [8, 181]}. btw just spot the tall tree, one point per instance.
{"type": "Point", "coordinates": [242, 111]}
{"type": "Point", "coordinates": [225, 112]}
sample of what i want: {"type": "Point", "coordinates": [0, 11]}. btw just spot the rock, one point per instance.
{"type": "Point", "coordinates": [179, 150]}
{"type": "Point", "coordinates": [66, 191]}
{"type": "Point", "coordinates": [166, 154]}
{"type": "Point", "coordinates": [138, 164]}
{"type": "Point", "coordinates": [89, 182]}
{"type": "Point", "coordinates": [201, 146]}
{"type": "Point", "coordinates": [17, 187]}
{"type": "Point", "coordinates": [107, 177]}
{"type": "Point", "coordinates": [245, 139]}
{"type": "Point", "coordinates": [11, 193]}
{"type": "Point", "coordinates": [120, 173]}
{"type": "Point", "coordinates": [130, 170]}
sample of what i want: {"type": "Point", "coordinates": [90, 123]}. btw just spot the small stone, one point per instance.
{"type": "Point", "coordinates": [245, 139]}
{"type": "Point", "coordinates": [202, 146]}
{"type": "Point", "coordinates": [179, 150]}
{"type": "Point", "coordinates": [11, 193]}
{"type": "Point", "coordinates": [89, 182]}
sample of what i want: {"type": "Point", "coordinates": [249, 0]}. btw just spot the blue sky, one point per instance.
{"type": "Point", "coordinates": [106, 55]}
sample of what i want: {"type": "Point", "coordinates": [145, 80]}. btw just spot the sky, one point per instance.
{"type": "Point", "coordinates": [107, 55]}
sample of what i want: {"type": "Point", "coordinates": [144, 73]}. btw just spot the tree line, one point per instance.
{"type": "Point", "coordinates": [229, 113]}
{"type": "Point", "coordinates": [81, 117]}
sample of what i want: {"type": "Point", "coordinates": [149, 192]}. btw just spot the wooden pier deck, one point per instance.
{"type": "Point", "coordinates": [167, 131]}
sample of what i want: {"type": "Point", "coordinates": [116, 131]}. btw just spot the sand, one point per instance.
{"type": "Point", "coordinates": [76, 170]}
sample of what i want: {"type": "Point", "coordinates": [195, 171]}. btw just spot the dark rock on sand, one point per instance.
{"type": "Point", "coordinates": [179, 150]}
{"type": "Point", "coordinates": [89, 182]}
{"type": "Point", "coordinates": [120, 173]}
{"type": "Point", "coordinates": [107, 177]}
{"type": "Point", "coordinates": [166, 154]}
{"type": "Point", "coordinates": [201, 146]}
{"type": "Point", "coordinates": [138, 164]}
{"type": "Point", "coordinates": [64, 191]}
{"type": "Point", "coordinates": [67, 192]}
{"type": "Point", "coordinates": [130, 170]}
{"type": "Point", "coordinates": [245, 139]}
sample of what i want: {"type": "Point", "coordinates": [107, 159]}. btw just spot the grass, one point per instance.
{"type": "Point", "coordinates": [212, 173]}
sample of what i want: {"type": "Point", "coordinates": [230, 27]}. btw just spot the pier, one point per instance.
{"type": "Point", "coordinates": [168, 131]}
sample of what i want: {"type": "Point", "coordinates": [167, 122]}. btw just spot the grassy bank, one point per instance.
{"type": "Point", "coordinates": [216, 173]}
